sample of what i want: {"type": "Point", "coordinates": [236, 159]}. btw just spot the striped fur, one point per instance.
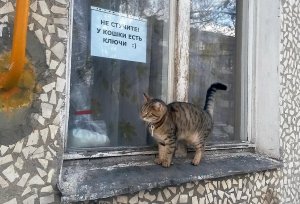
{"type": "Point", "coordinates": [178, 124]}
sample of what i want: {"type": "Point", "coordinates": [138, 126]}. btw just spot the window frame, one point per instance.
{"type": "Point", "coordinates": [264, 58]}
{"type": "Point", "coordinates": [178, 68]}
{"type": "Point", "coordinates": [261, 123]}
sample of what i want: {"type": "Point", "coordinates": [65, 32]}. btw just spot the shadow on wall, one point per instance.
{"type": "Point", "coordinates": [17, 122]}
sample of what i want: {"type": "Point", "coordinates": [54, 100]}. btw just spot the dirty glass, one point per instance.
{"type": "Point", "coordinates": [213, 44]}
{"type": "Point", "coordinates": [107, 79]}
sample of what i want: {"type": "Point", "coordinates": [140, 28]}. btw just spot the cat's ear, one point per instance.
{"type": "Point", "coordinates": [158, 106]}
{"type": "Point", "coordinates": [146, 97]}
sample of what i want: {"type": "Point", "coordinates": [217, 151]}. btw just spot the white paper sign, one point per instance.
{"type": "Point", "coordinates": [118, 36]}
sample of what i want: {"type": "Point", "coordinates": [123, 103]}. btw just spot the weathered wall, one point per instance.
{"type": "Point", "coordinates": [251, 188]}
{"type": "Point", "coordinates": [29, 168]}
{"type": "Point", "coordinates": [290, 100]}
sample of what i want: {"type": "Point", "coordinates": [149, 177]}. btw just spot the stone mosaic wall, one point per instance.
{"type": "Point", "coordinates": [252, 188]}
{"type": "Point", "coordinates": [290, 100]}
{"type": "Point", "coordinates": [29, 168]}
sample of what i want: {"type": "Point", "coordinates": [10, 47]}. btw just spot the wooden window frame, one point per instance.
{"type": "Point", "coordinates": [251, 132]}
{"type": "Point", "coordinates": [261, 124]}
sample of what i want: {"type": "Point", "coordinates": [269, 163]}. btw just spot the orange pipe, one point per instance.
{"type": "Point", "coordinates": [18, 53]}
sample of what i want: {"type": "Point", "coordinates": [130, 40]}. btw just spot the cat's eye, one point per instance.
{"type": "Point", "coordinates": [145, 114]}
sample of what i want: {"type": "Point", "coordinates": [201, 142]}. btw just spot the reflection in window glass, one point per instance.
{"type": "Point", "coordinates": [106, 91]}
{"type": "Point", "coordinates": [212, 59]}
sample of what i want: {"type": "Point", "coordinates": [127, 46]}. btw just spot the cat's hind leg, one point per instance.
{"type": "Point", "coordinates": [199, 148]}
{"type": "Point", "coordinates": [198, 155]}
{"type": "Point", "coordinates": [181, 150]}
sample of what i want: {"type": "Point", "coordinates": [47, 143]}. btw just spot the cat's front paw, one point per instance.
{"type": "Point", "coordinates": [157, 161]}
{"type": "Point", "coordinates": [196, 162]}
{"type": "Point", "coordinates": [166, 163]}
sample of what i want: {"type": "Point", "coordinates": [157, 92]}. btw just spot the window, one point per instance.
{"type": "Point", "coordinates": [122, 51]}
{"type": "Point", "coordinates": [213, 58]}
{"type": "Point", "coordinates": [113, 64]}
{"type": "Point", "coordinates": [184, 47]}
{"type": "Point", "coordinates": [234, 37]}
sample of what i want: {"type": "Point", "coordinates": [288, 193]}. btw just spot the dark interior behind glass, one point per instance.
{"type": "Point", "coordinates": [106, 93]}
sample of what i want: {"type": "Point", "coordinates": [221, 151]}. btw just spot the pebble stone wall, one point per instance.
{"type": "Point", "coordinates": [29, 168]}
{"type": "Point", "coordinates": [290, 100]}
{"type": "Point", "coordinates": [251, 188]}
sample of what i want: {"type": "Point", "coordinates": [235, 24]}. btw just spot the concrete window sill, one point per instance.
{"type": "Point", "coordinates": [91, 179]}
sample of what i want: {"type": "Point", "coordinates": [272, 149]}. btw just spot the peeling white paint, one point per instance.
{"type": "Point", "coordinates": [182, 51]}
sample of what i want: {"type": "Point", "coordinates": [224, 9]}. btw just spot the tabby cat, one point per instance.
{"type": "Point", "coordinates": [179, 124]}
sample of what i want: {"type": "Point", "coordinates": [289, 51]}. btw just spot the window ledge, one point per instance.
{"type": "Point", "coordinates": [106, 177]}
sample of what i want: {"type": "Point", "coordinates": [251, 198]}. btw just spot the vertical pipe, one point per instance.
{"type": "Point", "coordinates": [19, 44]}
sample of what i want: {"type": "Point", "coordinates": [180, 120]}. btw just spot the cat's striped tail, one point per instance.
{"type": "Point", "coordinates": [210, 97]}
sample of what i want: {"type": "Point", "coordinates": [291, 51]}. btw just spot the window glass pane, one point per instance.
{"type": "Point", "coordinates": [213, 45]}
{"type": "Point", "coordinates": [109, 75]}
